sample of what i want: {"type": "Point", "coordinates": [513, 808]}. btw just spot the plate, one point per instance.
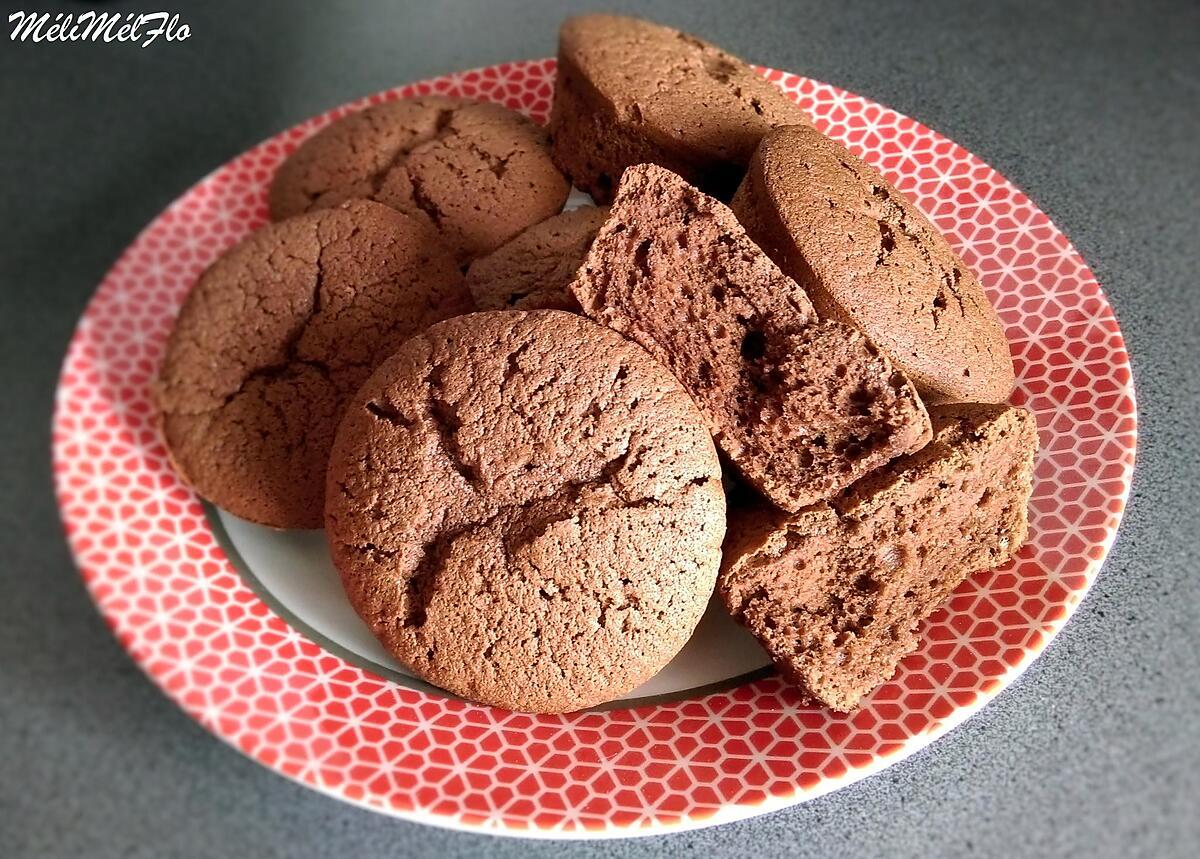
{"type": "Point", "coordinates": [247, 631]}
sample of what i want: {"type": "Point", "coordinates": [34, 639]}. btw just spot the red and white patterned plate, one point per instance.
{"type": "Point", "coordinates": [220, 643]}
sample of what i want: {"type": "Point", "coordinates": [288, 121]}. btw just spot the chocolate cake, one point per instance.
{"type": "Point", "coordinates": [801, 407]}
{"type": "Point", "coordinates": [630, 92]}
{"type": "Point", "coordinates": [526, 510]}
{"type": "Point", "coordinates": [868, 257]}
{"type": "Point", "coordinates": [477, 173]}
{"type": "Point", "coordinates": [534, 270]}
{"type": "Point", "coordinates": [274, 338]}
{"type": "Point", "coordinates": [836, 591]}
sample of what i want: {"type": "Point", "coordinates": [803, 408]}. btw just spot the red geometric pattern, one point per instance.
{"type": "Point", "coordinates": [158, 576]}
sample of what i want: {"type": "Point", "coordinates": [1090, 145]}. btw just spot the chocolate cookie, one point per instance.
{"type": "Point", "coordinates": [868, 257]}
{"type": "Point", "coordinates": [631, 92]}
{"type": "Point", "coordinates": [801, 407]}
{"type": "Point", "coordinates": [478, 173]}
{"type": "Point", "coordinates": [274, 337]}
{"type": "Point", "coordinates": [836, 591]}
{"type": "Point", "coordinates": [526, 510]}
{"type": "Point", "coordinates": [533, 270]}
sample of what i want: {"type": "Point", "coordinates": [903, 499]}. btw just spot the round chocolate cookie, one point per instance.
{"type": "Point", "coordinates": [533, 271]}
{"type": "Point", "coordinates": [868, 257]}
{"type": "Point", "coordinates": [631, 92]}
{"type": "Point", "coordinates": [276, 335]}
{"type": "Point", "coordinates": [478, 173]}
{"type": "Point", "coordinates": [526, 510]}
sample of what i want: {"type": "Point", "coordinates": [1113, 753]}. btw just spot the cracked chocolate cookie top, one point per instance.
{"type": "Point", "coordinates": [867, 256]}
{"type": "Point", "coordinates": [526, 509]}
{"type": "Point", "coordinates": [275, 336]}
{"type": "Point", "coordinates": [478, 173]}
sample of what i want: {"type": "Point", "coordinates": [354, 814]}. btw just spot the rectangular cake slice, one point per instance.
{"type": "Point", "coordinates": [835, 592]}
{"type": "Point", "coordinates": [801, 407]}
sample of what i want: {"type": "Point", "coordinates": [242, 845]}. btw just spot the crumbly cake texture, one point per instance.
{"type": "Point", "coordinates": [526, 510]}
{"type": "Point", "coordinates": [534, 270]}
{"type": "Point", "coordinates": [835, 592]}
{"type": "Point", "coordinates": [868, 257]}
{"type": "Point", "coordinates": [478, 173]}
{"type": "Point", "coordinates": [801, 407]}
{"type": "Point", "coordinates": [630, 92]}
{"type": "Point", "coordinates": [275, 336]}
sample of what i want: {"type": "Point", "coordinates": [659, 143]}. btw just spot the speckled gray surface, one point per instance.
{"type": "Point", "coordinates": [1092, 108]}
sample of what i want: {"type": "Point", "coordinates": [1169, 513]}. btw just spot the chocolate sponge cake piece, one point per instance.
{"type": "Point", "coordinates": [274, 339]}
{"type": "Point", "coordinates": [801, 407]}
{"type": "Point", "coordinates": [867, 256]}
{"type": "Point", "coordinates": [534, 270]}
{"type": "Point", "coordinates": [835, 592]}
{"type": "Point", "coordinates": [629, 91]}
{"type": "Point", "coordinates": [526, 510]}
{"type": "Point", "coordinates": [476, 173]}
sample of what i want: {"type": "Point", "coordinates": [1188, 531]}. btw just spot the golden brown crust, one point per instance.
{"type": "Point", "coordinates": [526, 510]}
{"type": "Point", "coordinates": [867, 256]}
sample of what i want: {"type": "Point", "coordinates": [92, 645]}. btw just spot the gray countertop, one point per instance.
{"type": "Point", "coordinates": [1092, 108]}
